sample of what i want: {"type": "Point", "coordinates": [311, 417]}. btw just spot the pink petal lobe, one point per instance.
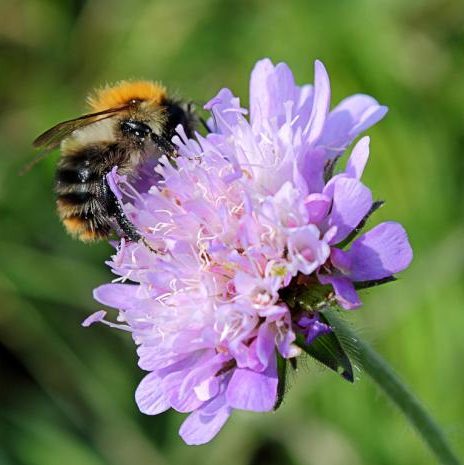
{"type": "Point", "coordinates": [202, 425]}
{"type": "Point", "coordinates": [317, 206]}
{"type": "Point", "coordinates": [120, 296]}
{"type": "Point", "coordinates": [358, 158]}
{"type": "Point", "coordinates": [379, 253]}
{"type": "Point", "coordinates": [259, 93]}
{"type": "Point", "coordinates": [249, 390]}
{"type": "Point", "coordinates": [321, 103]}
{"type": "Point", "coordinates": [265, 344]}
{"type": "Point", "coordinates": [348, 119]}
{"type": "Point", "coordinates": [181, 401]}
{"type": "Point", "coordinates": [150, 397]}
{"type": "Point", "coordinates": [351, 202]}
{"type": "Point", "coordinates": [271, 87]}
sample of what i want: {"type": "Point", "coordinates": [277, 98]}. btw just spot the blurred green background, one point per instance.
{"type": "Point", "coordinates": [66, 393]}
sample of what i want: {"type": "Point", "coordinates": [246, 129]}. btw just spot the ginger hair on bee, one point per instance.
{"type": "Point", "coordinates": [123, 92]}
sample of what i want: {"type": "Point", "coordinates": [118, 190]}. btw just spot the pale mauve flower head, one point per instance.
{"type": "Point", "coordinates": [244, 213]}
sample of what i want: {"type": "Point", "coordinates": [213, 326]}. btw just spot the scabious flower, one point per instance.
{"type": "Point", "coordinates": [246, 213]}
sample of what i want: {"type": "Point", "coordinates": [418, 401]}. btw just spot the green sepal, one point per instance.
{"type": "Point", "coordinates": [282, 383]}
{"type": "Point", "coordinates": [327, 349]}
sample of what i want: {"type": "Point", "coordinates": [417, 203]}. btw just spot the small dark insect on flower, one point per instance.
{"type": "Point", "coordinates": [131, 124]}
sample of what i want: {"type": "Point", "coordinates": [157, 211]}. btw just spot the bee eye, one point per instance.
{"type": "Point", "coordinates": [135, 128]}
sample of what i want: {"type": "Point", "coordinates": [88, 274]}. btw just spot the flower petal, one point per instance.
{"type": "Point", "coordinates": [285, 339]}
{"type": "Point", "coordinates": [150, 397]}
{"type": "Point", "coordinates": [265, 344]}
{"type": "Point", "coordinates": [112, 179]}
{"type": "Point", "coordinates": [321, 103]}
{"type": "Point", "coordinates": [260, 97]}
{"type": "Point", "coordinates": [186, 401]}
{"type": "Point", "coordinates": [348, 119]}
{"type": "Point", "coordinates": [341, 260]}
{"type": "Point", "coordinates": [249, 390]}
{"type": "Point", "coordinates": [202, 380]}
{"type": "Point", "coordinates": [305, 250]}
{"type": "Point", "coordinates": [270, 88]}
{"type": "Point", "coordinates": [226, 110]}
{"type": "Point", "coordinates": [351, 202]}
{"type": "Point", "coordinates": [207, 389]}
{"type": "Point", "coordinates": [358, 158]}
{"type": "Point", "coordinates": [317, 206]}
{"type": "Point", "coordinates": [312, 169]}
{"type": "Point", "coordinates": [120, 296]}
{"type": "Point", "coordinates": [202, 425]}
{"type": "Point", "coordinates": [345, 293]}
{"type": "Point", "coordinates": [381, 252]}
{"type": "Point", "coordinates": [313, 328]}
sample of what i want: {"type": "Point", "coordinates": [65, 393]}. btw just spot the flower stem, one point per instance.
{"type": "Point", "coordinates": [389, 382]}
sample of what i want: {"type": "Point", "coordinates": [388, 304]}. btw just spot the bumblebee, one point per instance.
{"type": "Point", "coordinates": [130, 123]}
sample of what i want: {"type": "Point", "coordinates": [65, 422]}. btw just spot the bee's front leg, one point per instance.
{"type": "Point", "coordinates": [116, 211]}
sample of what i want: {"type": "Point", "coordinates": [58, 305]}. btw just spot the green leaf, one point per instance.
{"type": "Point", "coordinates": [328, 350]}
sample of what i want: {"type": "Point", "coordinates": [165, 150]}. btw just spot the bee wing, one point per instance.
{"type": "Point", "coordinates": [52, 138]}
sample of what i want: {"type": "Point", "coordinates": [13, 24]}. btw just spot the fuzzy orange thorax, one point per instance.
{"type": "Point", "coordinates": [125, 91]}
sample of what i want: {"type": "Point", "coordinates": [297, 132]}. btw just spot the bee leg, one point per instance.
{"type": "Point", "coordinates": [116, 210]}
{"type": "Point", "coordinates": [164, 145]}
{"type": "Point", "coordinates": [126, 226]}
{"type": "Point", "coordinates": [205, 125]}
